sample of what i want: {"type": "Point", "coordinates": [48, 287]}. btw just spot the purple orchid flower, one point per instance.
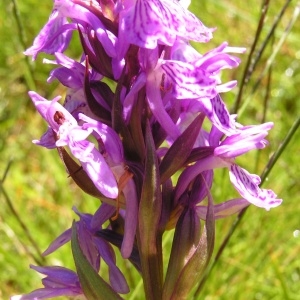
{"type": "Point", "coordinates": [55, 35]}
{"type": "Point", "coordinates": [201, 189]}
{"type": "Point", "coordinates": [213, 62]}
{"type": "Point", "coordinates": [93, 246]}
{"type": "Point", "coordinates": [196, 80]}
{"type": "Point", "coordinates": [59, 281]}
{"type": "Point", "coordinates": [105, 168]}
{"type": "Point", "coordinates": [190, 77]}
{"type": "Point", "coordinates": [67, 132]}
{"type": "Point", "coordinates": [249, 137]}
{"type": "Point", "coordinates": [72, 75]}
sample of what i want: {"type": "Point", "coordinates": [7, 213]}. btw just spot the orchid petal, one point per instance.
{"type": "Point", "coordinates": [189, 82]}
{"type": "Point", "coordinates": [54, 37]}
{"type": "Point", "coordinates": [148, 23]}
{"type": "Point", "coordinates": [58, 242]}
{"type": "Point", "coordinates": [247, 185]}
{"type": "Point", "coordinates": [216, 111]}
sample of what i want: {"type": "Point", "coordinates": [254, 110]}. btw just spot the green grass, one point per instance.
{"type": "Point", "coordinates": [261, 260]}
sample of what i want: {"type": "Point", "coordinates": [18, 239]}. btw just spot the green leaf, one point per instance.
{"type": "Point", "coordinates": [93, 286]}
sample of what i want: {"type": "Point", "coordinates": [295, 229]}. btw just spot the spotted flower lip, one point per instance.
{"type": "Point", "coordinates": [70, 134]}
{"type": "Point", "coordinates": [248, 186]}
{"type": "Point", "coordinates": [198, 77]}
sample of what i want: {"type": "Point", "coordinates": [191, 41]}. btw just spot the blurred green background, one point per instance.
{"type": "Point", "coordinates": [262, 259]}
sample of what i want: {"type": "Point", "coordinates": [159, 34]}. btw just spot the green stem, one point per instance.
{"type": "Point", "coordinates": [271, 59]}
{"type": "Point", "coordinates": [247, 70]}
{"type": "Point", "coordinates": [268, 37]}
{"type": "Point", "coordinates": [28, 74]}
{"type": "Point", "coordinates": [265, 108]}
{"type": "Point", "coordinates": [40, 259]}
{"type": "Point", "coordinates": [280, 150]}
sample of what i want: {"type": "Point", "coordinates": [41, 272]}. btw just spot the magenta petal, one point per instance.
{"type": "Point", "coordinates": [244, 140]}
{"type": "Point", "coordinates": [209, 163]}
{"type": "Point", "coordinates": [47, 140]}
{"type": "Point", "coordinates": [183, 51]}
{"type": "Point", "coordinates": [116, 278]}
{"type": "Point", "coordinates": [65, 77]}
{"type": "Point", "coordinates": [157, 107]}
{"type": "Point", "coordinates": [218, 62]}
{"type": "Point", "coordinates": [59, 281]}
{"type": "Point", "coordinates": [49, 109]}
{"type": "Point", "coordinates": [111, 140]}
{"type": "Point", "coordinates": [91, 159]}
{"type": "Point", "coordinates": [86, 241]}
{"type": "Point", "coordinates": [101, 175]}
{"type": "Point", "coordinates": [226, 87]}
{"type": "Point", "coordinates": [130, 97]}
{"type": "Point", "coordinates": [103, 213]}
{"type": "Point", "coordinates": [58, 242]}
{"type": "Point", "coordinates": [57, 275]}
{"type": "Point", "coordinates": [54, 37]}
{"type": "Point", "coordinates": [69, 9]}
{"type": "Point", "coordinates": [42, 105]}
{"type": "Point", "coordinates": [46, 293]}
